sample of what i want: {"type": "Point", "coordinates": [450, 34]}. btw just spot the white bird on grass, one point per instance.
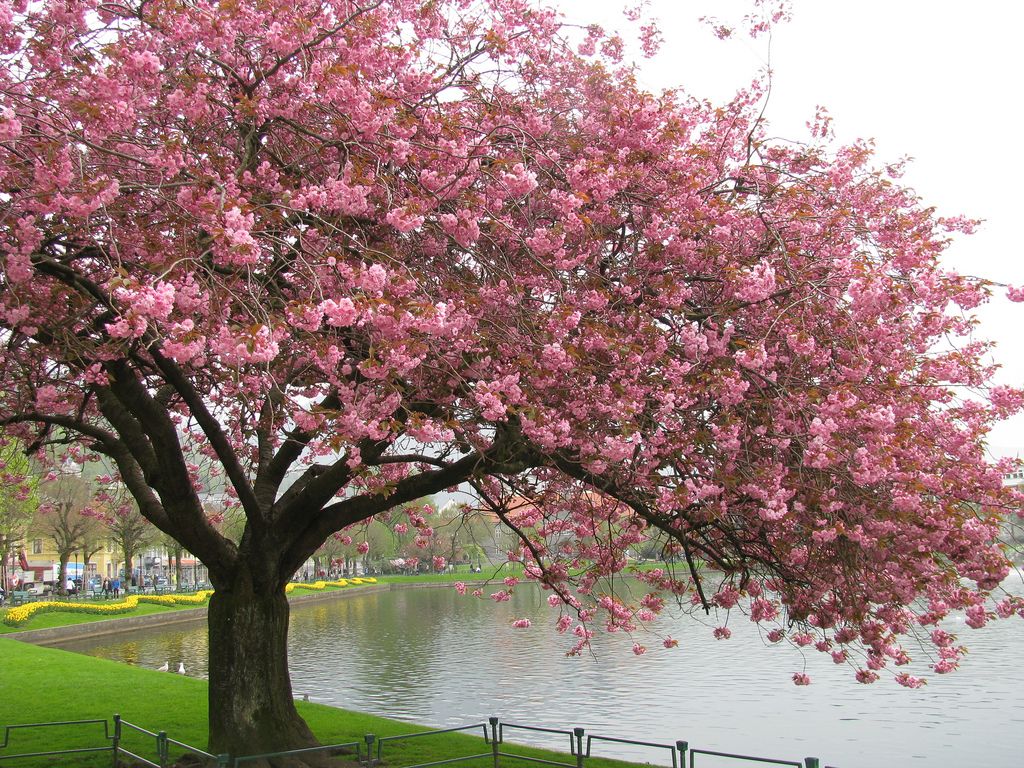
{"type": "Point", "coordinates": [165, 668]}
{"type": "Point", "coordinates": [181, 668]}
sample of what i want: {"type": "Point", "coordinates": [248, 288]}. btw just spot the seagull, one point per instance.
{"type": "Point", "coordinates": [165, 668]}
{"type": "Point", "coordinates": [181, 668]}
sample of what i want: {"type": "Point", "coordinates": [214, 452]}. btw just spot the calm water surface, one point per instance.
{"type": "Point", "coordinates": [432, 657]}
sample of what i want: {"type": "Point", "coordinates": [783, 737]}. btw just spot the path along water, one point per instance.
{"type": "Point", "coordinates": [432, 657]}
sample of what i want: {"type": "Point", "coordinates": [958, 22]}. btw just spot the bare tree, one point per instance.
{"type": "Point", "coordinates": [66, 517]}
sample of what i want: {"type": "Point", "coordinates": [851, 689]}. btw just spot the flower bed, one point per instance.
{"type": "Point", "coordinates": [15, 617]}
{"type": "Point", "coordinates": [321, 585]}
{"type": "Point", "coordinates": [18, 615]}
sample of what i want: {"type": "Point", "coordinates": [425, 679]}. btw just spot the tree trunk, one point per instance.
{"type": "Point", "coordinates": [62, 577]}
{"type": "Point", "coordinates": [251, 706]}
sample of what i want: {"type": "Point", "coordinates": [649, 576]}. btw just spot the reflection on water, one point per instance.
{"type": "Point", "coordinates": [432, 657]}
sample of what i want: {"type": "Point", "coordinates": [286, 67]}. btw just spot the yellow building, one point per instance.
{"type": "Point", "coordinates": [37, 560]}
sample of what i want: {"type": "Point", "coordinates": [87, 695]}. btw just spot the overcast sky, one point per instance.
{"type": "Point", "coordinates": [935, 80]}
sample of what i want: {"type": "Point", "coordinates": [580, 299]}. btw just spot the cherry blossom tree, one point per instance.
{"type": "Point", "coordinates": [356, 252]}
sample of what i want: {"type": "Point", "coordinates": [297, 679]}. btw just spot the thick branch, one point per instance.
{"type": "Point", "coordinates": [358, 508]}
{"type": "Point", "coordinates": [214, 433]}
{"type": "Point", "coordinates": [271, 473]}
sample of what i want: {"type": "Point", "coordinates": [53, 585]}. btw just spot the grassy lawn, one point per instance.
{"type": "Point", "coordinates": [41, 685]}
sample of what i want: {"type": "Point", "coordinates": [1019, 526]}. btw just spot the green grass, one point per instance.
{"type": "Point", "coordinates": [41, 685]}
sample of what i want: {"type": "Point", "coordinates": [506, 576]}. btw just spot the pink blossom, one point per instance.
{"type": "Point", "coordinates": [799, 678]}
{"type": "Point", "coordinates": [977, 617]}
{"type": "Point", "coordinates": [403, 220]}
{"type": "Point", "coordinates": [909, 681]}
{"type": "Point", "coordinates": [762, 610]}
{"type": "Point", "coordinates": [521, 623]}
{"type": "Point", "coordinates": [340, 313]}
{"type": "Point", "coordinates": [519, 181]}
{"type": "Point", "coordinates": [757, 283]}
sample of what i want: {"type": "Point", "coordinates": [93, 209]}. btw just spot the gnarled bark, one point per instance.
{"type": "Point", "coordinates": [252, 710]}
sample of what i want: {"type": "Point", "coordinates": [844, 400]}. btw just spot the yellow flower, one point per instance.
{"type": "Point", "coordinates": [19, 615]}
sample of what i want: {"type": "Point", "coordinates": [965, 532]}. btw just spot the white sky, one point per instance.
{"type": "Point", "coordinates": [935, 80]}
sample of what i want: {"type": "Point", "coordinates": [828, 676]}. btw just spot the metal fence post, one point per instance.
{"type": "Point", "coordinates": [681, 747]}
{"type": "Point", "coordinates": [577, 734]}
{"type": "Point", "coordinates": [117, 738]}
{"type": "Point", "coordinates": [494, 740]}
{"type": "Point", "coordinates": [811, 762]}
{"type": "Point", "coordinates": [162, 748]}
{"type": "Point", "coordinates": [369, 739]}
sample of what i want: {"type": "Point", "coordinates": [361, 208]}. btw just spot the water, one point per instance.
{"type": "Point", "coordinates": [432, 657]}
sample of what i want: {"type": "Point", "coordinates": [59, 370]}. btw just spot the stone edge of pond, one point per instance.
{"type": "Point", "coordinates": [53, 635]}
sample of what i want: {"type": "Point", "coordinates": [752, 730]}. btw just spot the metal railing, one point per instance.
{"type": "Point", "coordinates": [112, 741]}
{"type": "Point", "coordinates": [808, 762]}
{"type": "Point", "coordinates": [370, 752]}
{"type": "Point", "coordinates": [371, 739]}
{"type": "Point", "coordinates": [161, 746]}
{"type": "Point", "coordinates": [107, 739]}
{"type": "Point", "coordinates": [330, 749]}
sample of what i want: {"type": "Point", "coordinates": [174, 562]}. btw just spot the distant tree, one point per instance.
{"type": "Point", "coordinates": [19, 500]}
{"type": "Point", "coordinates": [175, 552]}
{"type": "Point", "coordinates": [129, 531]}
{"type": "Point", "coordinates": [65, 516]}
{"type": "Point", "coordinates": [93, 540]}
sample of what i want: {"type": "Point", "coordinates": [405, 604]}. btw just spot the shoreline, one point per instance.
{"type": "Point", "coordinates": [56, 635]}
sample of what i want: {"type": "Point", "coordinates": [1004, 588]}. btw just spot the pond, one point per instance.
{"type": "Point", "coordinates": [432, 657]}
